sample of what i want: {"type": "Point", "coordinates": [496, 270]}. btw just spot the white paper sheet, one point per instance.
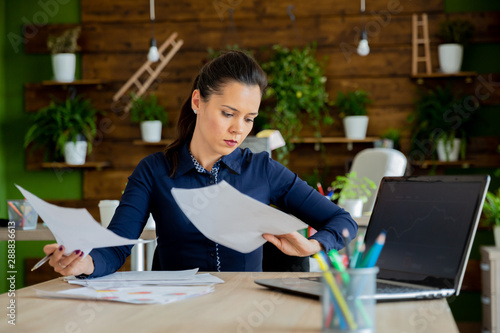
{"type": "Point", "coordinates": [158, 278]}
{"type": "Point", "coordinates": [75, 228]}
{"type": "Point", "coordinates": [231, 218]}
{"type": "Point", "coordinates": [134, 295]}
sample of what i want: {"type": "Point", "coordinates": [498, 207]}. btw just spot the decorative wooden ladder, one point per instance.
{"type": "Point", "coordinates": [416, 41]}
{"type": "Point", "coordinates": [142, 79]}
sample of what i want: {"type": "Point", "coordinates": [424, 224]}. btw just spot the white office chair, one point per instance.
{"type": "Point", "coordinates": [375, 163]}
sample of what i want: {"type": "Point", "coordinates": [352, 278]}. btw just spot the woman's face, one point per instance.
{"type": "Point", "coordinates": [225, 120]}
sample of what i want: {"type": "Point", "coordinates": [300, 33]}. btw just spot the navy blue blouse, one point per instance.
{"type": "Point", "coordinates": [180, 244]}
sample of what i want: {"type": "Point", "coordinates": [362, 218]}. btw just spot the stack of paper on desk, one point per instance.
{"type": "Point", "coordinates": [134, 295]}
{"type": "Point", "coordinates": [140, 287]}
{"type": "Point", "coordinates": [158, 278]}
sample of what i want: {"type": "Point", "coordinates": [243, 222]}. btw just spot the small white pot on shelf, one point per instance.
{"type": "Point", "coordinates": [151, 130]}
{"type": "Point", "coordinates": [64, 65]}
{"type": "Point", "coordinates": [355, 127]}
{"type": "Point", "coordinates": [496, 234]}
{"type": "Point", "coordinates": [75, 152]}
{"type": "Point", "coordinates": [450, 151]}
{"type": "Point", "coordinates": [353, 206]}
{"type": "Point", "coordinates": [450, 57]}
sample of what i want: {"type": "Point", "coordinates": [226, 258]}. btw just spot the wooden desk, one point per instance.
{"type": "Point", "coordinates": [238, 305]}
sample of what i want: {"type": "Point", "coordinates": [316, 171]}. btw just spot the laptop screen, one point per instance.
{"type": "Point", "coordinates": [430, 223]}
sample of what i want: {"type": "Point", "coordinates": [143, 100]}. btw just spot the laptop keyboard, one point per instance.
{"type": "Point", "coordinates": [382, 287]}
{"type": "Point", "coordinates": [387, 288]}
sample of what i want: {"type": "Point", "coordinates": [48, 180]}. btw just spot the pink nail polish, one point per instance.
{"type": "Point", "coordinates": [77, 252]}
{"type": "Point", "coordinates": [60, 248]}
{"type": "Point", "coordinates": [81, 254]}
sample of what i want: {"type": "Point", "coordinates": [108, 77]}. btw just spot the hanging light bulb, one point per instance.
{"type": "Point", "coordinates": [363, 47]}
{"type": "Point", "coordinates": [153, 54]}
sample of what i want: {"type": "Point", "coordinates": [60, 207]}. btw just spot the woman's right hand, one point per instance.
{"type": "Point", "coordinates": [68, 265]}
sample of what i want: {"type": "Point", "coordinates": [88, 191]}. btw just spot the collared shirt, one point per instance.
{"type": "Point", "coordinates": [180, 244]}
{"type": "Point", "coordinates": [214, 172]}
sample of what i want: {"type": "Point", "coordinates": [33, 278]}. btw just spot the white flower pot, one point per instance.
{"type": "Point", "coordinates": [64, 65]}
{"type": "Point", "coordinates": [450, 57]}
{"type": "Point", "coordinates": [354, 207]}
{"type": "Point", "coordinates": [151, 130]}
{"type": "Point", "coordinates": [452, 148]}
{"type": "Point", "coordinates": [107, 209]}
{"type": "Point", "coordinates": [496, 234]}
{"type": "Point", "coordinates": [355, 127]}
{"type": "Point", "coordinates": [75, 152]}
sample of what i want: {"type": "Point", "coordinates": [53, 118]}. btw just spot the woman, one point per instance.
{"type": "Point", "coordinates": [215, 119]}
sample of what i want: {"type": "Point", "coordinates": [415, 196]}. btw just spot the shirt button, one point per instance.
{"type": "Point", "coordinates": [212, 254]}
{"type": "Point", "coordinates": [212, 182]}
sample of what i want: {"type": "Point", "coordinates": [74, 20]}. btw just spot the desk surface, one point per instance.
{"type": "Point", "coordinates": [238, 305]}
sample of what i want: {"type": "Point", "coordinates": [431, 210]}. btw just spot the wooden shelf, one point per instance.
{"type": "Point", "coordinates": [72, 85]}
{"type": "Point", "coordinates": [87, 165]}
{"type": "Point", "coordinates": [159, 143]}
{"type": "Point", "coordinates": [430, 163]}
{"type": "Point", "coordinates": [333, 140]}
{"type": "Point", "coordinates": [86, 82]}
{"type": "Point", "coordinates": [349, 142]}
{"type": "Point", "coordinates": [467, 75]}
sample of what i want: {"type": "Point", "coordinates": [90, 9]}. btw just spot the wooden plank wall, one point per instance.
{"type": "Point", "coordinates": [115, 40]}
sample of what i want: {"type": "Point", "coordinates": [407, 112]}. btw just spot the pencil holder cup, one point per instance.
{"type": "Point", "coordinates": [23, 214]}
{"type": "Point", "coordinates": [348, 300]}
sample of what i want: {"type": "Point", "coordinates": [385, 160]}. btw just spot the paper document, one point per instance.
{"type": "Point", "coordinates": [134, 295]}
{"type": "Point", "coordinates": [75, 228]}
{"type": "Point", "coordinates": [231, 218]}
{"type": "Point", "coordinates": [159, 278]}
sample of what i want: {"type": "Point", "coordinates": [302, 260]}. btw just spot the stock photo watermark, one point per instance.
{"type": "Point", "coordinates": [380, 19]}
{"type": "Point", "coordinates": [222, 6]}
{"type": "Point", "coordinates": [458, 113]}
{"type": "Point", "coordinates": [48, 9]}
{"type": "Point", "coordinates": [11, 273]}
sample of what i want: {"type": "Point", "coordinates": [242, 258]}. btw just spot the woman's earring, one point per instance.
{"type": "Point", "coordinates": [194, 110]}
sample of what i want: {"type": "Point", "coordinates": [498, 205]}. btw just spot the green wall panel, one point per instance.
{"type": "Point", "coordinates": [16, 69]}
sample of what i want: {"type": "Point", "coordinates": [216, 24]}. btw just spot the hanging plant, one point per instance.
{"type": "Point", "coordinates": [297, 94]}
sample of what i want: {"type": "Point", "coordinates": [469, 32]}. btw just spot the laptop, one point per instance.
{"type": "Point", "coordinates": [430, 223]}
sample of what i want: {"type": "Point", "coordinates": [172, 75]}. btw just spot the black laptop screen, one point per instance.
{"type": "Point", "coordinates": [428, 224]}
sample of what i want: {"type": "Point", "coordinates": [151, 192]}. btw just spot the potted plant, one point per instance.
{"type": "Point", "coordinates": [150, 115]}
{"type": "Point", "coordinates": [439, 124]}
{"type": "Point", "coordinates": [352, 107]}
{"type": "Point", "coordinates": [64, 128]}
{"type": "Point", "coordinates": [352, 192]}
{"type": "Point", "coordinates": [63, 50]}
{"type": "Point", "coordinates": [454, 33]}
{"type": "Point", "coordinates": [491, 213]}
{"type": "Point", "coordinates": [389, 139]}
{"type": "Point", "coordinates": [296, 94]}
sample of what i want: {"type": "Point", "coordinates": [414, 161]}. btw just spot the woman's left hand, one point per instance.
{"type": "Point", "coordinates": [294, 244]}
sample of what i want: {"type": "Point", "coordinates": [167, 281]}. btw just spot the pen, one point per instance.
{"type": "Point", "coordinates": [336, 293]}
{"type": "Point", "coordinates": [371, 257]}
{"type": "Point", "coordinates": [336, 261]}
{"type": "Point", "coordinates": [41, 262]}
{"type": "Point", "coordinates": [357, 249]}
{"type": "Point", "coordinates": [320, 188]}
{"type": "Point", "coordinates": [347, 240]}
